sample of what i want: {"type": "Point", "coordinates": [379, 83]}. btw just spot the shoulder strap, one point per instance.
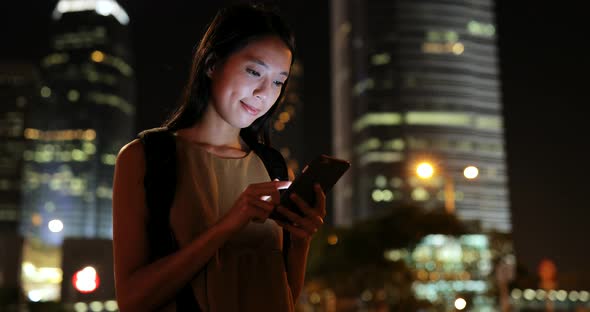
{"type": "Point", "coordinates": [160, 187]}
{"type": "Point", "coordinates": [273, 161]}
{"type": "Point", "coordinates": [277, 169]}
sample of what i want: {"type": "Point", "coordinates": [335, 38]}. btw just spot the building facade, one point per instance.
{"type": "Point", "coordinates": [418, 82]}
{"type": "Point", "coordinates": [19, 83]}
{"type": "Point", "coordinates": [85, 114]}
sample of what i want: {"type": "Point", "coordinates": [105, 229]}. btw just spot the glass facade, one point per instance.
{"type": "Point", "coordinates": [18, 84]}
{"type": "Point", "coordinates": [423, 85]}
{"type": "Point", "coordinates": [85, 114]}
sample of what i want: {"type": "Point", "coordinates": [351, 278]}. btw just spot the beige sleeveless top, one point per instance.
{"type": "Point", "coordinates": [248, 272]}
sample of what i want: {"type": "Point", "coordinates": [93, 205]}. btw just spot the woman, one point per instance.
{"type": "Point", "coordinates": [229, 250]}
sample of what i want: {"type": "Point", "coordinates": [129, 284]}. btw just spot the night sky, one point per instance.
{"type": "Point", "coordinates": [545, 68]}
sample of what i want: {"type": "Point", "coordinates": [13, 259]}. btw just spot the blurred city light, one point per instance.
{"type": "Point", "coordinates": [471, 172]}
{"type": "Point", "coordinates": [55, 226]}
{"type": "Point", "coordinates": [460, 304]}
{"type": "Point", "coordinates": [102, 7]}
{"type": "Point", "coordinates": [96, 306]}
{"type": "Point", "coordinates": [80, 307]}
{"type": "Point", "coordinates": [97, 56]}
{"type": "Point", "coordinates": [45, 92]}
{"type": "Point", "coordinates": [86, 280]}
{"type": "Point", "coordinates": [111, 305]}
{"type": "Point", "coordinates": [425, 170]}
{"type": "Point", "coordinates": [333, 239]}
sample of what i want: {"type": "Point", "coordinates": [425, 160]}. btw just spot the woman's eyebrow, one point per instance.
{"type": "Point", "coordinates": [260, 62]}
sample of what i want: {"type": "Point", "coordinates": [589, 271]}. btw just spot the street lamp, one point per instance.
{"type": "Point", "coordinates": [425, 170]}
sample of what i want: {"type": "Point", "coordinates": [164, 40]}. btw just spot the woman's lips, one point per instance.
{"type": "Point", "coordinates": [251, 110]}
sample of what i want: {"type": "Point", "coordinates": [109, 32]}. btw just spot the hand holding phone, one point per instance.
{"type": "Point", "coordinates": [324, 170]}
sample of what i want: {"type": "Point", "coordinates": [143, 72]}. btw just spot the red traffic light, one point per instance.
{"type": "Point", "coordinates": [86, 280]}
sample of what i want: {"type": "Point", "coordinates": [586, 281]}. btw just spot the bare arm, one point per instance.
{"type": "Point", "coordinates": [301, 235]}
{"type": "Point", "coordinates": [144, 286]}
{"type": "Point", "coordinates": [297, 264]}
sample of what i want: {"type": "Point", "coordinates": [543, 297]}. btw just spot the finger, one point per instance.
{"type": "Point", "coordinates": [293, 217]}
{"type": "Point", "coordinates": [276, 185]}
{"type": "Point", "coordinates": [293, 230]}
{"type": "Point", "coordinates": [268, 191]}
{"type": "Point", "coordinates": [303, 205]}
{"type": "Point", "coordinates": [261, 213]}
{"type": "Point", "coordinates": [265, 205]}
{"type": "Point", "coordinates": [320, 200]}
{"type": "Point", "coordinates": [274, 197]}
{"type": "Point", "coordinates": [307, 224]}
{"type": "Point", "coordinates": [317, 221]}
{"type": "Point", "coordinates": [311, 218]}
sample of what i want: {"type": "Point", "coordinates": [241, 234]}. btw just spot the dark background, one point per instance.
{"type": "Point", "coordinates": [544, 63]}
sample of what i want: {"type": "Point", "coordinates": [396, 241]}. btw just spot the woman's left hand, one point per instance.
{"type": "Point", "coordinates": [302, 228]}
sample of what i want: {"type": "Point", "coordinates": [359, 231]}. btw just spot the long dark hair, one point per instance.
{"type": "Point", "coordinates": [231, 29]}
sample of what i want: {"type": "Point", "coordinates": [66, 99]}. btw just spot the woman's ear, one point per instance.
{"type": "Point", "coordinates": [210, 62]}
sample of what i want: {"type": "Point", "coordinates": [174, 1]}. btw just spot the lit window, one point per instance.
{"type": "Point", "coordinates": [368, 145]}
{"type": "Point", "coordinates": [381, 181]}
{"type": "Point", "coordinates": [377, 119]}
{"type": "Point", "coordinates": [109, 159]}
{"type": "Point", "coordinates": [481, 29]}
{"type": "Point", "coordinates": [387, 195]}
{"type": "Point", "coordinates": [395, 144]}
{"type": "Point", "coordinates": [380, 59]}
{"type": "Point", "coordinates": [438, 118]}
{"type": "Point", "coordinates": [45, 92]}
{"type": "Point", "coordinates": [55, 59]}
{"type": "Point", "coordinates": [516, 293]}
{"type": "Point", "coordinates": [381, 157]}
{"type": "Point", "coordinates": [377, 195]}
{"type": "Point", "coordinates": [420, 194]}
{"type": "Point", "coordinates": [111, 305]}
{"type": "Point", "coordinates": [363, 85]}
{"type": "Point", "coordinates": [73, 95]}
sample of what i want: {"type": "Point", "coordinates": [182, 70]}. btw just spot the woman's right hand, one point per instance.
{"type": "Point", "coordinates": [256, 203]}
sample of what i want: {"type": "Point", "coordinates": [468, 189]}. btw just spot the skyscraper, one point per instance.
{"type": "Point", "coordinates": [19, 83]}
{"type": "Point", "coordinates": [418, 81]}
{"type": "Point", "coordinates": [85, 115]}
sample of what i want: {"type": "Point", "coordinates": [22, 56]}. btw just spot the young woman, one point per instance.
{"type": "Point", "coordinates": [229, 250]}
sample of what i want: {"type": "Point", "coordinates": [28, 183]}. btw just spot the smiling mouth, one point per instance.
{"type": "Point", "coordinates": [251, 110]}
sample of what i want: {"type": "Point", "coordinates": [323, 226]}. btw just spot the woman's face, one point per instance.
{"type": "Point", "coordinates": [246, 85]}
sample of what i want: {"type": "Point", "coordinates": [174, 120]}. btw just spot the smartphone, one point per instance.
{"type": "Point", "coordinates": [323, 170]}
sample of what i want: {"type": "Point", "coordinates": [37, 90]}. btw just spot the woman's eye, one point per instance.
{"type": "Point", "coordinates": [253, 72]}
{"type": "Point", "coordinates": [279, 83]}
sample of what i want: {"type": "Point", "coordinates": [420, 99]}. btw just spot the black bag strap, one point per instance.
{"type": "Point", "coordinates": [160, 188]}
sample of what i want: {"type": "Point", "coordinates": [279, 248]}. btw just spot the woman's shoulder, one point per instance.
{"type": "Point", "coordinates": [131, 152]}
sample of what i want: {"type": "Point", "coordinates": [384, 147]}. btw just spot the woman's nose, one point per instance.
{"type": "Point", "coordinates": [261, 90]}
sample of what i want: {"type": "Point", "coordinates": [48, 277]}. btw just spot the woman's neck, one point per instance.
{"type": "Point", "coordinates": [214, 132]}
